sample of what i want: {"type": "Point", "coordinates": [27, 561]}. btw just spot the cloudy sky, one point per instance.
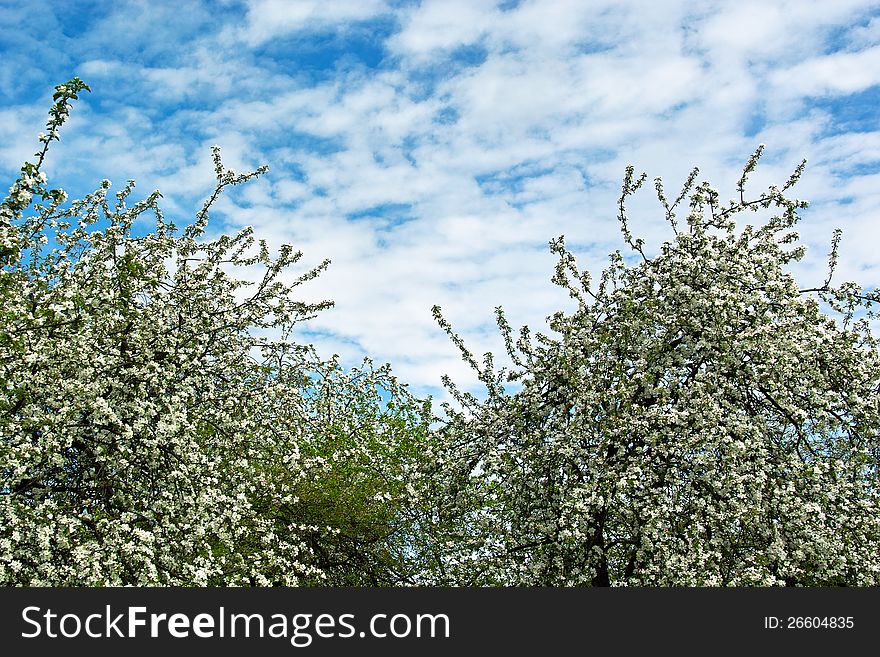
{"type": "Point", "coordinates": [431, 149]}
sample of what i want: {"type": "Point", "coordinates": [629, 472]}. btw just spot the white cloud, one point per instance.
{"type": "Point", "coordinates": [442, 25]}
{"type": "Point", "coordinates": [834, 74]}
{"type": "Point", "coordinates": [269, 19]}
{"type": "Point", "coordinates": [19, 127]}
{"type": "Point", "coordinates": [865, 35]}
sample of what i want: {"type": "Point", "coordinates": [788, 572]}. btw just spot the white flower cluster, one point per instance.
{"type": "Point", "coordinates": [697, 421]}
{"type": "Point", "coordinates": [150, 437]}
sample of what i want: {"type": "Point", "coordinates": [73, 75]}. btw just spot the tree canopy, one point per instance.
{"type": "Point", "coordinates": [153, 434]}
{"type": "Point", "coordinates": [697, 418]}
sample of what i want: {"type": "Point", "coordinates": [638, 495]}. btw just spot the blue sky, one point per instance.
{"type": "Point", "coordinates": [431, 149]}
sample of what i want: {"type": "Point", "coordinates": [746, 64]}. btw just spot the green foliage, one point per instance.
{"type": "Point", "coordinates": [359, 437]}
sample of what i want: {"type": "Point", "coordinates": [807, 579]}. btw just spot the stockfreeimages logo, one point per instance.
{"type": "Point", "coordinates": [300, 629]}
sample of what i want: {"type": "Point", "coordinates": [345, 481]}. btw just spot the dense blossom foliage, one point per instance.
{"type": "Point", "coordinates": [152, 433]}
{"type": "Point", "coordinates": [697, 420]}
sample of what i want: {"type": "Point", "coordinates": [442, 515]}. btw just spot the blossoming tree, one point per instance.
{"type": "Point", "coordinates": [698, 419]}
{"type": "Point", "coordinates": [151, 434]}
